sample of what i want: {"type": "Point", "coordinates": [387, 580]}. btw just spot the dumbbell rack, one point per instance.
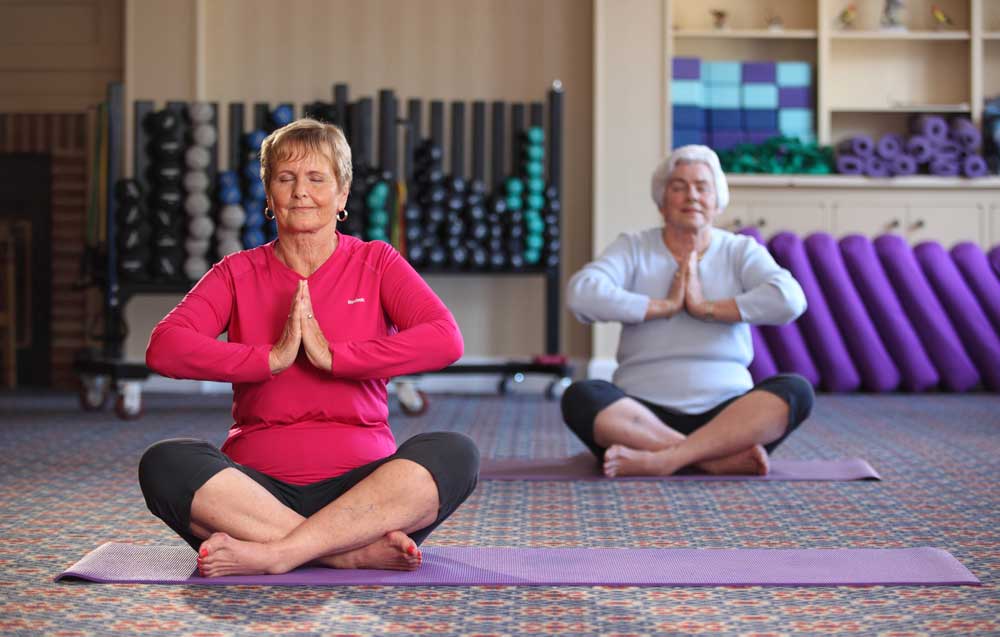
{"type": "Point", "coordinates": [108, 373]}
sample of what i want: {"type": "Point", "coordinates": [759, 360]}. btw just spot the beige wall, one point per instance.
{"type": "Point", "coordinates": [58, 57]}
{"type": "Point", "coordinates": [446, 49]}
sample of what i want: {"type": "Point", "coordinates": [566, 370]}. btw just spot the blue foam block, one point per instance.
{"type": "Point", "coordinates": [794, 74]}
{"type": "Point", "coordinates": [720, 96]}
{"type": "Point", "coordinates": [760, 119]}
{"type": "Point", "coordinates": [689, 117]}
{"type": "Point", "coordinates": [795, 120]}
{"type": "Point", "coordinates": [725, 73]}
{"type": "Point", "coordinates": [687, 93]}
{"type": "Point", "coordinates": [685, 137]}
{"type": "Point", "coordinates": [725, 119]}
{"type": "Point", "coordinates": [759, 96]}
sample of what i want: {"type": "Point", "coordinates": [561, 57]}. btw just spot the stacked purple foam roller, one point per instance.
{"type": "Point", "coordinates": [885, 317]}
{"type": "Point", "coordinates": [935, 146]}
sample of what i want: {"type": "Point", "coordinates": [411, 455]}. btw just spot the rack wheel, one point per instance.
{"type": "Point", "coordinates": [557, 388]}
{"type": "Point", "coordinates": [128, 405]}
{"type": "Point", "coordinates": [505, 382]}
{"type": "Point", "coordinates": [93, 392]}
{"type": "Point", "coordinates": [413, 401]}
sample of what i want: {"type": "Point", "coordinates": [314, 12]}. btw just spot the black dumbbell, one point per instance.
{"type": "Point", "coordinates": [166, 149]}
{"type": "Point", "coordinates": [128, 191]}
{"type": "Point", "coordinates": [498, 260]}
{"type": "Point", "coordinates": [437, 256]}
{"type": "Point", "coordinates": [435, 214]}
{"type": "Point", "coordinates": [414, 233]}
{"type": "Point", "coordinates": [458, 256]}
{"type": "Point", "coordinates": [478, 258]}
{"type": "Point", "coordinates": [161, 123]}
{"type": "Point", "coordinates": [166, 173]}
{"type": "Point", "coordinates": [167, 197]}
{"type": "Point", "coordinates": [130, 214]}
{"type": "Point", "coordinates": [479, 231]}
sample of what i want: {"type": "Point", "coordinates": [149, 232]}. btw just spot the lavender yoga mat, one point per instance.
{"type": "Point", "coordinates": [859, 146]}
{"type": "Point", "coordinates": [993, 256]}
{"type": "Point", "coordinates": [877, 369]}
{"type": "Point", "coordinates": [903, 166]}
{"type": "Point", "coordinates": [974, 166]}
{"type": "Point", "coordinates": [585, 466]}
{"type": "Point", "coordinates": [850, 165]}
{"type": "Point", "coordinates": [898, 335]}
{"type": "Point", "coordinates": [461, 566]}
{"type": "Point", "coordinates": [920, 148]}
{"type": "Point", "coordinates": [876, 166]}
{"type": "Point", "coordinates": [984, 284]}
{"type": "Point", "coordinates": [933, 127]}
{"type": "Point", "coordinates": [965, 133]}
{"type": "Point", "coordinates": [889, 146]}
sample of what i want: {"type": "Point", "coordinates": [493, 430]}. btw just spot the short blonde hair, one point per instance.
{"type": "Point", "coordinates": [302, 137]}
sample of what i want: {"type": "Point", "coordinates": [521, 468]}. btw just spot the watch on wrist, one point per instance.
{"type": "Point", "coordinates": [709, 311]}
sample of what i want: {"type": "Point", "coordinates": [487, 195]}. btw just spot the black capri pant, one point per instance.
{"type": "Point", "coordinates": [171, 471]}
{"type": "Point", "coordinates": [583, 400]}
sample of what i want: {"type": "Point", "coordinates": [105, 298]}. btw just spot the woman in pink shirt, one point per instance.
{"type": "Point", "coordinates": [317, 323]}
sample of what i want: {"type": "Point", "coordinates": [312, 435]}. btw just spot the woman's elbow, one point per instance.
{"type": "Point", "coordinates": [455, 345]}
{"type": "Point", "coordinates": [795, 307]}
{"type": "Point", "coordinates": [159, 358]}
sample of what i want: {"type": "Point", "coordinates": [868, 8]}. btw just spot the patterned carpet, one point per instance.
{"type": "Point", "coordinates": [68, 484]}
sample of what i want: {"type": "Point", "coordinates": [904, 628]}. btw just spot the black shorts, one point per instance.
{"type": "Point", "coordinates": [172, 470]}
{"type": "Point", "coordinates": [583, 400]}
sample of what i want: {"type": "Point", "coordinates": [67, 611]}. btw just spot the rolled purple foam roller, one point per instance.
{"type": "Point", "coordinates": [836, 368]}
{"type": "Point", "coordinates": [894, 327]}
{"type": "Point", "coordinates": [877, 369]}
{"type": "Point", "coordinates": [965, 134]}
{"type": "Point", "coordinates": [933, 127]}
{"type": "Point", "coordinates": [993, 256]}
{"type": "Point", "coordinates": [763, 365]}
{"type": "Point", "coordinates": [929, 318]}
{"type": "Point", "coordinates": [850, 165]}
{"type": "Point", "coordinates": [947, 150]}
{"type": "Point", "coordinates": [876, 167]}
{"type": "Point", "coordinates": [859, 145]}
{"type": "Point", "coordinates": [903, 165]}
{"type": "Point", "coordinates": [974, 166]}
{"type": "Point", "coordinates": [969, 320]}
{"type": "Point", "coordinates": [944, 167]}
{"type": "Point", "coordinates": [889, 146]}
{"type": "Point", "coordinates": [920, 148]}
{"type": "Point", "coordinates": [984, 283]}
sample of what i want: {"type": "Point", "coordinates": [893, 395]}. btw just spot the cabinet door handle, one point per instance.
{"type": "Point", "coordinates": [917, 225]}
{"type": "Point", "coordinates": [736, 224]}
{"type": "Point", "coordinates": [892, 225]}
{"type": "Point", "coordinates": [761, 222]}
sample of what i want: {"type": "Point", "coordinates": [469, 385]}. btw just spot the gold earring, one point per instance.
{"type": "Point", "coordinates": [342, 215]}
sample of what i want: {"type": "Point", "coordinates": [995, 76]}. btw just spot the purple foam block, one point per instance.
{"type": "Point", "coordinates": [850, 165]}
{"type": "Point", "coordinates": [859, 146]}
{"type": "Point", "coordinates": [894, 328]}
{"type": "Point", "coordinates": [586, 467]}
{"type": "Point", "coordinates": [975, 268]}
{"type": "Point", "coordinates": [878, 371]}
{"type": "Point", "coordinates": [876, 167]}
{"type": "Point", "coordinates": [971, 323]}
{"type": "Point", "coordinates": [795, 97]}
{"type": "Point", "coordinates": [974, 166]}
{"type": "Point", "coordinates": [761, 136]}
{"type": "Point", "coordinates": [965, 134]}
{"type": "Point", "coordinates": [686, 68]}
{"type": "Point", "coordinates": [725, 139]}
{"type": "Point", "coordinates": [903, 166]}
{"type": "Point", "coordinates": [932, 127]}
{"type": "Point", "coordinates": [759, 72]}
{"type": "Point", "coordinates": [920, 148]}
{"type": "Point", "coordinates": [944, 167]}
{"type": "Point", "coordinates": [889, 146]}
{"type": "Point", "coordinates": [473, 566]}
{"type": "Point", "coordinates": [926, 313]}
{"type": "Point", "coordinates": [818, 327]}
{"type": "Point", "coordinates": [762, 366]}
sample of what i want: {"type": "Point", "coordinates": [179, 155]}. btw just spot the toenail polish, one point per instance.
{"type": "Point", "coordinates": [412, 550]}
{"type": "Point", "coordinates": [203, 553]}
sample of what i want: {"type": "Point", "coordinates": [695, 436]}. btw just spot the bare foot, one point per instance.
{"type": "Point", "coordinates": [620, 460]}
{"type": "Point", "coordinates": [222, 555]}
{"type": "Point", "coordinates": [394, 551]}
{"type": "Point", "coordinates": [752, 461]}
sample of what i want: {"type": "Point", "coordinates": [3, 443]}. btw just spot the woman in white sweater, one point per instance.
{"type": "Point", "coordinates": [686, 294]}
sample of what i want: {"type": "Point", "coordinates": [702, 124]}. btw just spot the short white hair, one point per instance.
{"type": "Point", "coordinates": [694, 153]}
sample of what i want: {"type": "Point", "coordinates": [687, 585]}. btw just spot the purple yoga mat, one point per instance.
{"type": "Point", "coordinates": [461, 566]}
{"type": "Point", "coordinates": [585, 466]}
{"type": "Point", "coordinates": [876, 166]}
{"type": "Point", "coordinates": [889, 146]}
{"type": "Point", "coordinates": [993, 256]}
{"type": "Point", "coordinates": [877, 369]}
{"type": "Point", "coordinates": [948, 150]}
{"type": "Point", "coordinates": [859, 146]}
{"type": "Point", "coordinates": [895, 329]}
{"type": "Point", "coordinates": [928, 317]}
{"type": "Point", "coordinates": [903, 165]}
{"type": "Point", "coordinates": [933, 127]}
{"type": "Point", "coordinates": [974, 166]}
{"type": "Point", "coordinates": [920, 148]}
{"type": "Point", "coordinates": [762, 366]}
{"type": "Point", "coordinates": [941, 167]}
{"type": "Point", "coordinates": [965, 134]}
{"type": "Point", "coordinates": [971, 323]}
{"type": "Point", "coordinates": [836, 369]}
{"type": "Point", "coordinates": [975, 268]}
{"type": "Point", "coordinates": [850, 165]}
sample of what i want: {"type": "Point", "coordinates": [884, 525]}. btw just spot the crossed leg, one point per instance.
{"type": "Point", "coordinates": [248, 531]}
{"type": "Point", "coordinates": [639, 443]}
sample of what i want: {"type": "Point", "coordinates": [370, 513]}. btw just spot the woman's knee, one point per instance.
{"type": "Point", "coordinates": [803, 397]}
{"type": "Point", "coordinates": [452, 452]}
{"type": "Point", "coordinates": [164, 461]}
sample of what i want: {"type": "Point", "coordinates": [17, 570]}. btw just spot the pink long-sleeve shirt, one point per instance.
{"type": "Point", "coordinates": [304, 424]}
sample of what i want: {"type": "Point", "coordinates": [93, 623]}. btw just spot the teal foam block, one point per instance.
{"type": "Point", "coordinates": [721, 96]}
{"type": "Point", "coordinates": [687, 93]}
{"type": "Point", "coordinates": [759, 96]}
{"type": "Point", "coordinates": [722, 73]}
{"type": "Point", "coordinates": [795, 121]}
{"type": "Point", "coordinates": [794, 74]}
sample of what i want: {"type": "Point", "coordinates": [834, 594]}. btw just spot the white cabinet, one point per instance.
{"type": "Point", "coordinates": [946, 223]}
{"type": "Point", "coordinates": [857, 217]}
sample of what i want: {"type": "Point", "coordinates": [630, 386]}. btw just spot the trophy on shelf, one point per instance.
{"type": "Point", "coordinates": [719, 19]}
{"type": "Point", "coordinates": [774, 22]}
{"type": "Point", "coordinates": [847, 18]}
{"type": "Point", "coordinates": [892, 15]}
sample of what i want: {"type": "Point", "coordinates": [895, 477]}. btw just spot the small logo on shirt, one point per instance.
{"type": "Point", "coordinates": [360, 299]}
